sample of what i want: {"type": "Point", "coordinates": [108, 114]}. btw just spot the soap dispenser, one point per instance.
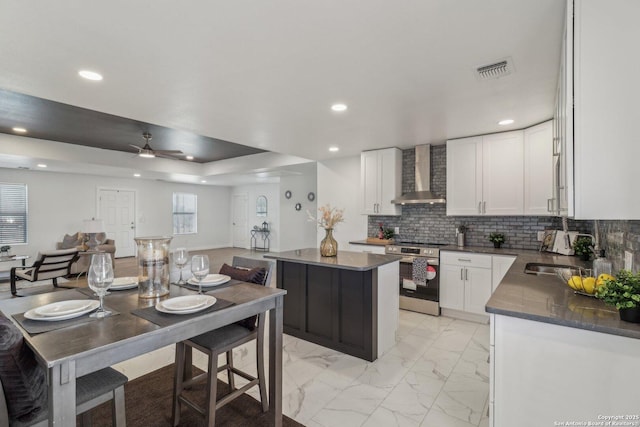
{"type": "Point", "coordinates": [601, 265]}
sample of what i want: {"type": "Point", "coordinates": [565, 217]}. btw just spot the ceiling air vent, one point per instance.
{"type": "Point", "coordinates": [496, 70]}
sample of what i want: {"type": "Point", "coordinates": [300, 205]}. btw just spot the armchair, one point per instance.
{"type": "Point", "coordinates": [48, 265]}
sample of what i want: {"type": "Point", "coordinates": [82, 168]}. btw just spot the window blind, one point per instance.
{"type": "Point", "coordinates": [13, 213]}
{"type": "Point", "coordinates": [185, 213]}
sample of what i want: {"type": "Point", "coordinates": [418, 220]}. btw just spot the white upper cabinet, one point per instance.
{"type": "Point", "coordinates": [502, 174]}
{"type": "Point", "coordinates": [485, 175]}
{"type": "Point", "coordinates": [562, 202]}
{"type": "Point", "coordinates": [464, 176]}
{"type": "Point", "coordinates": [380, 181]}
{"type": "Point", "coordinates": [605, 141]}
{"type": "Point", "coordinates": [538, 169]}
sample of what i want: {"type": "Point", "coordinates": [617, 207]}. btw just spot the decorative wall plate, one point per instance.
{"type": "Point", "coordinates": [311, 196]}
{"type": "Point", "coordinates": [287, 194]}
{"type": "Point", "coordinates": [298, 206]}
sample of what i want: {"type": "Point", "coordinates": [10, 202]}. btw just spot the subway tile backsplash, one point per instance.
{"type": "Point", "coordinates": [429, 223]}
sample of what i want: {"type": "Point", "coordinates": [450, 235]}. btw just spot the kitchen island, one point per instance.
{"type": "Point", "coordinates": [348, 303]}
{"type": "Point", "coordinates": [557, 356]}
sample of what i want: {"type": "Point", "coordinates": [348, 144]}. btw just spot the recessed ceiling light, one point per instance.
{"type": "Point", "coordinates": [334, 149]}
{"type": "Point", "coordinates": [42, 165]}
{"type": "Point", "coordinates": [90, 75]}
{"type": "Point", "coordinates": [137, 175]}
{"type": "Point", "coordinates": [339, 107]}
{"type": "Point", "coordinates": [505, 122]}
{"type": "Point", "coordinates": [189, 157]}
{"type": "Point", "coordinates": [20, 130]}
{"type": "Point", "coordinates": [203, 181]}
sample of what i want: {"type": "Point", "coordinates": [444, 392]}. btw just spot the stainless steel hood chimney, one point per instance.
{"type": "Point", "coordinates": [423, 192]}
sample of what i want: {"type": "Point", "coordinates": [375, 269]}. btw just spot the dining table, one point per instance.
{"type": "Point", "coordinates": [93, 344]}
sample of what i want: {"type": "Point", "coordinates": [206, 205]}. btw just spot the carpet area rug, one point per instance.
{"type": "Point", "coordinates": [148, 404]}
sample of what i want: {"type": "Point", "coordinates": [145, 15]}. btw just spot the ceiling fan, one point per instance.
{"type": "Point", "coordinates": [148, 153]}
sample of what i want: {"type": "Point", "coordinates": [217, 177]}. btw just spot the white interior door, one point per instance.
{"type": "Point", "coordinates": [117, 208]}
{"type": "Point", "coordinates": [240, 227]}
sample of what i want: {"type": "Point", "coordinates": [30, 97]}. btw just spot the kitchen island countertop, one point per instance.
{"type": "Point", "coordinates": [347, 260]}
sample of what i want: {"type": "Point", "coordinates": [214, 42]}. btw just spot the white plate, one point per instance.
{"type": "Point", "coordinates": [62, 308]}
{"type": "Point", "coordinates": [211, 280]}
{"type": "Point", "coordinates": [196, 303]}
{"type": "Point", "coordinates": [31, 314]}
{"type": "Point", "coordinates": [121, 283]}
{"type": "Point", "coordinates": [186, 302]}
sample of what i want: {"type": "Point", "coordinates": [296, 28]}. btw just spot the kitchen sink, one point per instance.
{"type": "Point", "coordinates": [538, 268]}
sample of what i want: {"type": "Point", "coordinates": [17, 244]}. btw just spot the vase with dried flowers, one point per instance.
{"type": "Point", "coordinates": [328, 219]}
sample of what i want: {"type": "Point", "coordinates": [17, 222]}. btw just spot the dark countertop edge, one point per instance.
{"type": "Point", "coordinates": [373, 260]}
{"type": "Point", "coordinates": [489, 250]}
{"type": "Point", "coordinates": [453, 248]}
{"type": "Point", "coordinates": [367, 243]}
{"type": "Point", "coordinates": [611, 330]}
{"type": "Point", "coordinates": [518, 295]}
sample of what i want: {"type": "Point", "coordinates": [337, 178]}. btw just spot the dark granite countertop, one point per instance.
{"type": "Point", "coordinates": [346, 260]}
{"type": "Point", "coordinates": [453, 248]}
{"type": "Point", "coordinates": [489, 250]}
{"type": "Point", "coordinates": [544, 298]}
{"type": "Point", "coordinates": [366, 242]}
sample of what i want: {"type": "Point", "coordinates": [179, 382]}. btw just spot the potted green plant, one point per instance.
{"type": "Point", "coordinates": [388, 233]}
{"type": "Point", "coordinates": [623, 292]}
{"type": "Point", "coordinates": [583, 247]}
{"type": "Point", "coordinates": [4, 250]}
{"type": "Point", "coordinates": [497, 239]}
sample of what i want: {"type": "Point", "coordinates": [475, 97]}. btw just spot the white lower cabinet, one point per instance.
{"type": "Point", "coordinates": [465, 281]}
{"type": "Point", "coordinates": [451, 287]}
{"type": "Point", "coordinates": [477, 289]}
{"type": "Point", "coordinates": [499, 266]}
{"type": "Point", "coordinates": [544, 374]}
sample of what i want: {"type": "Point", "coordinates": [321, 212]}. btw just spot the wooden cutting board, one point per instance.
{"type": "Point", "coordinates": [377, 241]}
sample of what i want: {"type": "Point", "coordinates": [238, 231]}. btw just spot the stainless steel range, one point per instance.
{"type": "Point", "coordinates": [423, 298]}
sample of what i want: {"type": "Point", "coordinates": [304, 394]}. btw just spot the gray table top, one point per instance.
{"type": "Point", "coordinates": [346, 260]}
{"type": "Point", "coordinates": [545, 298]}
{"type": "Point", "coordinates": [116, 338]}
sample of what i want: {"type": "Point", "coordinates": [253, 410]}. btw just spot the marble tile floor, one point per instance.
{"type": "Point", "coordinates": [437, 375]}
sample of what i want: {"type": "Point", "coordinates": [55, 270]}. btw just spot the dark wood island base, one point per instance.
{"type": "Point", "coordinates": [347, 303]}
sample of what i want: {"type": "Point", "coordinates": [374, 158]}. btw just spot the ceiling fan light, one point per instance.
{"type": "Point", "coordinates": [146, 154]}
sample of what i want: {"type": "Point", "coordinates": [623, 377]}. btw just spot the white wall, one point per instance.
{"type": "Point", "coordinates": [296, 231]}
{"type": "Point", "coordinates": [272, 193]}
{"type": "Point", "coordinates": [59, 202]}
{"type": "Point", "coordinates": [339, 185]}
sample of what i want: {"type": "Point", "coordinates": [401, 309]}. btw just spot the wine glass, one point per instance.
{"type": "Point", "coordinates": [200, 269]}
{"type": "Point", "coordinates": [181, 258]}
{"type": "Point", "coordinates": [99, 278]}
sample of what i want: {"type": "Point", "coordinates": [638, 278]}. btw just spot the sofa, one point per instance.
{"type": "Point", "coordinates": [79, 241]}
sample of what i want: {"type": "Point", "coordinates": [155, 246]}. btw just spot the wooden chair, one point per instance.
{"type": "Point", "coordinates": [48, 265]}
{"type": "Point", "coordinates": [215, 343]}
{"type": "Point", "coordinates": [23, 380]}
{"type": "Point", "coordinates": [91, 390]}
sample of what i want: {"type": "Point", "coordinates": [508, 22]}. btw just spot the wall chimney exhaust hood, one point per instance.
{"type": "Point", "coordinates": [423, 192]}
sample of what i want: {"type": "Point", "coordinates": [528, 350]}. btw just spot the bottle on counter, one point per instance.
{"type": "Point", "coordinates": [601, 265]}
{"type": "Point", "coordinates": [380, 232]}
